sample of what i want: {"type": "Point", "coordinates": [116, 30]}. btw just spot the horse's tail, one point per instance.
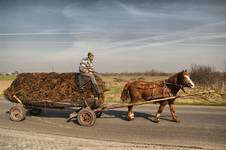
{"type": "Point", "coordinates": [125, 92]}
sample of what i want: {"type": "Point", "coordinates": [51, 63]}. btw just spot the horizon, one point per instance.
{"type": "Point", "coordinates": [125, 36]}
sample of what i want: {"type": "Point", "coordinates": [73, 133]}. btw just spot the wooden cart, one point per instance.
{"type": "Point", "coordinates": [85, 114]}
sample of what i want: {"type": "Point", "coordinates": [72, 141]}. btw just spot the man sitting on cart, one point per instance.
{"type": "Point", "coordinates": [86, 68]}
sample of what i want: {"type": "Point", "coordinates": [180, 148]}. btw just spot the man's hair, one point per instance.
{"type": "Point", "coordinates": [90, 54]}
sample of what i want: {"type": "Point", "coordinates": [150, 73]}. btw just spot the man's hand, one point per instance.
{"type": "Point", "coordinates": [91, 70]}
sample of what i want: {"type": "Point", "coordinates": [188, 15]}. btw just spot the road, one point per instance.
{"type": "Point", "coordinates": [201, 127]}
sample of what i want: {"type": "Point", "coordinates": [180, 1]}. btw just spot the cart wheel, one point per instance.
{"type": "Point", "coordinates": [98, 114]}
{"type": "Point", "coordinates": [17, 113]}
{"type": "Point", "coordinates": [35, 111]}
{"type": "Point", "coordinates": [86, 117]}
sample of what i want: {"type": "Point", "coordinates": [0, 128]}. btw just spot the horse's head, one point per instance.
{"type": "Point", "coordinates": [185, 80]}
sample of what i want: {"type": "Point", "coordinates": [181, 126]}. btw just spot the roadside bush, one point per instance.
{"type": "Point", "coordinates": [207, 77]}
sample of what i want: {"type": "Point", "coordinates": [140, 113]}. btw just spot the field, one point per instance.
{"type": "Point", "coordinates": [116, 83]}
{"type": "Point", "coordinates": [5, 81]}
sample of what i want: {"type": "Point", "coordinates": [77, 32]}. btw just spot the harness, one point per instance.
{"type": "Point", "coordinates": [178, 85]}
{"type": "Point", "coordinates": [165, 90]}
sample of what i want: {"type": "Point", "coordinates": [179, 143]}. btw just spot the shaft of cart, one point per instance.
{"type": "Point", "coordinates": [115, 106]}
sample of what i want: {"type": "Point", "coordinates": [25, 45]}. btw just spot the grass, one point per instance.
{"type": "Point", "coordinates": [7, 77]}
{"type": "Point", "coordinates": [114, 94]}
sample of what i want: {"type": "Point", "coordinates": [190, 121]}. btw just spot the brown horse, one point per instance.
{"type": "Point", "coordinates": [149, 90]}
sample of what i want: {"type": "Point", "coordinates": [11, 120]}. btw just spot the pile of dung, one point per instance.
{"type": "Point", "coordinates": [54, 87]}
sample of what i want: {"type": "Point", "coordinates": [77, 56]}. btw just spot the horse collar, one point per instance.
{"type": "Point", "coordinates": [178, 85]}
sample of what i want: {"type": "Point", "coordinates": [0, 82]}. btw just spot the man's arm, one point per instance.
{"type": "Point", "coordinates": [91, 67]}
{"type": "Point", "coordinates": [83, 67]}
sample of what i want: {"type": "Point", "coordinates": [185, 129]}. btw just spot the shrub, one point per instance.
{"type": "Point", "coordinates": [206, 76]}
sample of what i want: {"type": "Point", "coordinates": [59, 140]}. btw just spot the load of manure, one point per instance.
{"type": "Point", "coordinates": [33, 88]}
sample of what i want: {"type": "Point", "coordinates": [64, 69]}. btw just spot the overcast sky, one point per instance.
{"type": "Point", "coordinates": [124, 35]}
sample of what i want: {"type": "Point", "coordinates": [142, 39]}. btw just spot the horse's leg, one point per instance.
{"type": "Point", "coordinates": [130, 113]}
{"type": "Point", "coordinates": [161, 107]}
{"type": "Point", "coordinates": [130, 108]}
{"type": "Point", "coordinates": [173, 112]}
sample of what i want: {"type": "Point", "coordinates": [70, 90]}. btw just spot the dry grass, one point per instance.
{"type": "Point", "coordinates": [5, 81]}
{"type": "Point", "coordinates": [4, 85]}
{"type": "Point", "coordinates": [213, 98]}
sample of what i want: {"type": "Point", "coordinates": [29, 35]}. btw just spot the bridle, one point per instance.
{"type": "Point", "coordinates": [178, 85]}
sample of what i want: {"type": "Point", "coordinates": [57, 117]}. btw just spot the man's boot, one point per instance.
{"type": "Point", "coordinates": [100, 95]}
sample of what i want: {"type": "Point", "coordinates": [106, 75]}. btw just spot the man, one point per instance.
{"type": "Point", "coordinates": [86, 68]}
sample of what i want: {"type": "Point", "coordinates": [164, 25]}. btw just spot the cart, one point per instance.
{"type": "Point", "coordinates": [85, 113]}
{"type": "Point", "coordinates": [31, 92]}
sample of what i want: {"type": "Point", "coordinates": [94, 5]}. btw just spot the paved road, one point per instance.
{"type": "Point", "coordinates": [201, 127]}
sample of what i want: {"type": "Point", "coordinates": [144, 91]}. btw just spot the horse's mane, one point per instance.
{"type": "Point", "coordinates": [173, 78]}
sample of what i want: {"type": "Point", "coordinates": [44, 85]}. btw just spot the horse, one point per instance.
{"type": "Point", "coordinates": [147, 91]}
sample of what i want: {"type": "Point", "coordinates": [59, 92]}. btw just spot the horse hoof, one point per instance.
{"type": "Point", "coordinates": [130, 119]}
{"type": "Point", "coordinates": [156, 120]}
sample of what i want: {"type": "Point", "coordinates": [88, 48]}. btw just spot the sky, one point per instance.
{"type": "Point", "coordinates": [124, 35]}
